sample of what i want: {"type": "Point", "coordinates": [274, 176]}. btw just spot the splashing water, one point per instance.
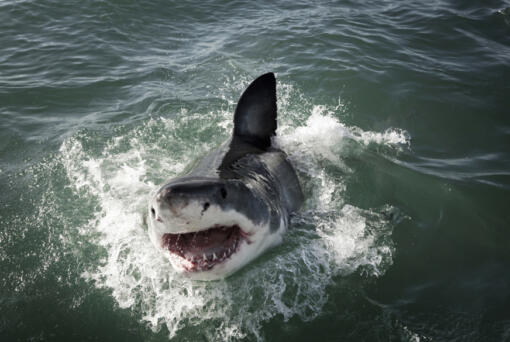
{"type": "Point", "coordinates": [328, 238]}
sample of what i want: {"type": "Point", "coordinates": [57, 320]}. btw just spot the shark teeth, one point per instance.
{"type": "Point", "coordinates": [204, 262]}
{"type": "Point", "coordinates": [201, 251]}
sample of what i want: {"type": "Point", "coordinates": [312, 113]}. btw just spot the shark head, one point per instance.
{"type": "Point", "coordinates": [209, 227]}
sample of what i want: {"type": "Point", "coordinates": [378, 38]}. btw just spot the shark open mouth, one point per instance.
{"type": "Point", "coordinates": [202, 250]}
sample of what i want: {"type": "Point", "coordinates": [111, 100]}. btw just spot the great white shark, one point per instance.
{"type": "Point", "coordinates": [236, 202]}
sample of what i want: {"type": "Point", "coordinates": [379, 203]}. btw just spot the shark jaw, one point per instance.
{"type": "Point", "coordinates": [211, 245]}
{"type": "Point", "coordinates": [203, 250]}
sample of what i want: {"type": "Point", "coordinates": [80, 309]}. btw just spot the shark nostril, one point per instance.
{"type": "Point", "coordinates": [153, 212]}
{"type": "Point", "coordinates": [223, 192]}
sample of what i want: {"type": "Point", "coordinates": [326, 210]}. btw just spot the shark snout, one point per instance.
{"type": "Point", "coordinates": [191, 204]}
{"type": "Point", "coordinates": [173, 200]}
{"type": "Point", "coordinates": [203, 194]}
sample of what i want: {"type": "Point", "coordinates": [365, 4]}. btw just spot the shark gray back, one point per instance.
{"type": "Point", "coordinates": [237, 200]}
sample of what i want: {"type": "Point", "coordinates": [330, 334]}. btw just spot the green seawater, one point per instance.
{"type": "Point", "coordinates": [396, 115]}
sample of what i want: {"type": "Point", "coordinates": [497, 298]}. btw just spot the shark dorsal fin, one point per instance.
{"type": "Point", "coordinates": [255, 115]}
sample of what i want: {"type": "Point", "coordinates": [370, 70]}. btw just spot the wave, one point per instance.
{"type": "Point", "coordinates": [328, 238]}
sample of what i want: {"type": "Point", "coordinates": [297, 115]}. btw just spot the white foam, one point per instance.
{"type": "Point", "coordinates": [321, 134]}
{"type": "Point", "coordinates": [390, 137]}
{"type": "Point", "coordinates": [326, 135]}
{"type": "Point", "coordinates": [330, 237]}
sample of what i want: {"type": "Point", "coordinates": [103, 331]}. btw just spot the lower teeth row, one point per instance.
{"type": "Point", "coordinates": [207, 258]}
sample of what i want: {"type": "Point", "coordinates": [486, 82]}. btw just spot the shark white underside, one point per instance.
{"type": "Point", "coordinates": [256, 238]}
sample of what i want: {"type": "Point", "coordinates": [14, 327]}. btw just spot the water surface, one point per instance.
{"type": "Point", "coordinates": [395, 115]}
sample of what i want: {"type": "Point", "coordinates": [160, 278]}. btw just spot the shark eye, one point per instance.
{"type": "Point", "coordinates": [206, 206]}
{"type": "Point", "coordinates": [153, 212]}
{"type": "Point", "coordinates": [223, 192]}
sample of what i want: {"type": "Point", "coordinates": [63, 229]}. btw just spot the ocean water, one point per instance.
{"type": "Point", "coordinates": [396, 115]}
